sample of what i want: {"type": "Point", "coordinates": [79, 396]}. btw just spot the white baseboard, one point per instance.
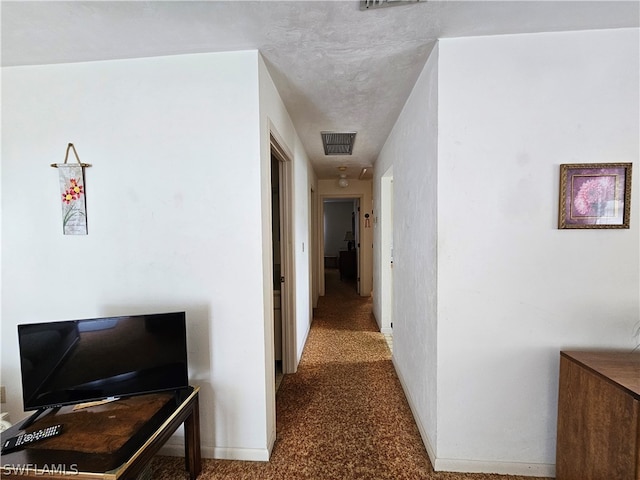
{"type": "Point", "coordinates": [501, 468]}
{"type": "Point", "coordinates": [386, 331]}
{"type": "Point", "coordinates": [248, 454]}
{"type": "Point", "coordinates": [473, 466]}
{"type": "Point", "coordinates": [220, 453]}
{"type": "Point", "coordinates": [423, 433]}
{"type": "Point", "coordinates": [303, 343]}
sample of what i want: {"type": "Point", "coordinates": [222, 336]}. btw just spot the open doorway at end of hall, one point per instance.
{"type": "Point", "coordinates": [341, 238]}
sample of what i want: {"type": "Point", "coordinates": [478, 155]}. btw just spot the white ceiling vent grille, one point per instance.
{"type": "Point", "coordinates": [371, 4]}
{"type": "Point", "coordinates": [338, 143]}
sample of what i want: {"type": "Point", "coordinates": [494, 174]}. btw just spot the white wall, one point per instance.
{"type": "Point", "coordinates": [412, 151]}
{"type": "Point", "coordinates": [173, 142]}
{"type": "Point", "coordinates": [275, 120]}
{"type": "Point", "coordinates": [512, 289]}
{"type": "Point", "coordinates": [383, 245]}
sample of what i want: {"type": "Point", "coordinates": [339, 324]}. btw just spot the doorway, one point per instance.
{"type": "Point", "coordinates": [341, 239]}
{"type": "Point", "coordinates": [276, 236]}
{"type": "Point", "coordinates": [284, 326]}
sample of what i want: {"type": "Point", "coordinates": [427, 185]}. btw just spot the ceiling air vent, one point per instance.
{"type": "Point", "coordinates": [371, 4]}
{"type": "Point", "coordinates": [338, 143]}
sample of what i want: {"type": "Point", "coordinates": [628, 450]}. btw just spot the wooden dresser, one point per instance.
{"type": "Point", "coordinates": [599, 416]}
{"type": "Point", "coordinates": [348, 264]}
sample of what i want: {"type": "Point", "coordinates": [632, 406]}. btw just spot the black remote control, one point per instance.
{"type": "Point", "coordinates": [27, 438]}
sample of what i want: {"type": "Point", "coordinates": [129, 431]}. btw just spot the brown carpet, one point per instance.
{"type": "Point", "coordinates": [343, 415]}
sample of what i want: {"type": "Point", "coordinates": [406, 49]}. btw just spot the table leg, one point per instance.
{"type": "Point", "coordinates": [192, 441]}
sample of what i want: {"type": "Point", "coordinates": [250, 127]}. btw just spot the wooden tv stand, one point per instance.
{"type": "Point", "coordinates": [108, 442]}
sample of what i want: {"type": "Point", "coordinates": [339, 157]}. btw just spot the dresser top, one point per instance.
{"type": "Point", "coordinates": [621, 367]}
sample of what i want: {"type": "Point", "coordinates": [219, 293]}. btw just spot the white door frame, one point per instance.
{"type": "Point", "coordinates": [314, 267]}
{"type": "Point", "coordinates": [320, 235]}
{"type": "Point", "coordinates": [386, 247]}
{"type": "Point", "coordinates": [288, 287]}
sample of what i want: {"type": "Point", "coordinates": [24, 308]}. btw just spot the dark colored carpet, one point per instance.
{"type": "Point", "coordinates": [343, 415]}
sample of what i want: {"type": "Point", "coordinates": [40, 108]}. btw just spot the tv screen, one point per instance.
{"type": "Point", "coordinates": [76, 361]}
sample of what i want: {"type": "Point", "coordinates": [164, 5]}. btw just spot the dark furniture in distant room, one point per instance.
{"type": "Point", "coordinates": [330, 262]}
{"type": "Point", "coordinates": [348, 265]}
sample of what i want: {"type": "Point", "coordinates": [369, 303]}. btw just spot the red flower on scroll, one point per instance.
{"type": "Point", "coordinates": [73, 192]}
{"type": "Point", "coordinates": [67, 197]}
{"type": "Point", "coordinates": [75, 187]}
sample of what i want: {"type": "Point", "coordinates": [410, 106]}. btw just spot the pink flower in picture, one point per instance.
{"type": "Point", "coordinates": [594, 193]}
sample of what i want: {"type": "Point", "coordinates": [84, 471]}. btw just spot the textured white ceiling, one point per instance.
{"type": "Point", "coordinates": [336, 67]}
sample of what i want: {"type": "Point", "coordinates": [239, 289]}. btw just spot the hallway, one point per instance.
{"type": "Point", "coordinates": [343, 415]}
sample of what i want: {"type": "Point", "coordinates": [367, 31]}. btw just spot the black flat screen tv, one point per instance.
{"type": "Point", "coordinates": [77, 361]}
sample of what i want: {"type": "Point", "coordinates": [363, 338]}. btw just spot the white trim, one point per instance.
{"type": "Point", "coordinates": [423, 433]}
{"type": "Point", "coordinates": [313, 251]}
{"type": "Point", "coordinates": [220, 453]}
{"type": "Point", "coordinates": [288, 290]}
{"type": "Point", "coordinates": [278, 142]}
{"type": "Point", "coordinates": [247, 454]}
{"type": "Point", "coordinates": [271, 443]}
{"type": "Point", "coordinates": [320, 242]}
{"type": "Point", "coordinates": [305, 337]}
{"type": "Point", "coordinates": [347, 196]}
{"type": "Point", "coordinates": [384, 330]}
{"type": "Point", "coordinates": [474, 466]}
{"type": "Point", "coordinates": [503, 468]}
{"type": "Point", "coordinates": [385, 224]}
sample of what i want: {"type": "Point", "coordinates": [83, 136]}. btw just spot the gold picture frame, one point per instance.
{"type": "Point", "coordinates": [595, 195]}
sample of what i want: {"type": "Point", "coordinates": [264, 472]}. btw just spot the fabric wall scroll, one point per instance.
{"type": "Point", "coordinates": [74, 211]}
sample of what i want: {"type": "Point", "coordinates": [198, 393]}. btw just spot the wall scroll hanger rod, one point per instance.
{"type": "Point", "coordinates": [66, 157]}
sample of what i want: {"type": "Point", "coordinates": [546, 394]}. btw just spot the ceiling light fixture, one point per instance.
{"type": "Point", "coordinates": [372, 4]}
{"type": "Point", "coordinates": [342, 181]}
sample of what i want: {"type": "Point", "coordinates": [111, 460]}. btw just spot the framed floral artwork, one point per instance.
{"type": "Point", "coordinates": [595, 195]}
